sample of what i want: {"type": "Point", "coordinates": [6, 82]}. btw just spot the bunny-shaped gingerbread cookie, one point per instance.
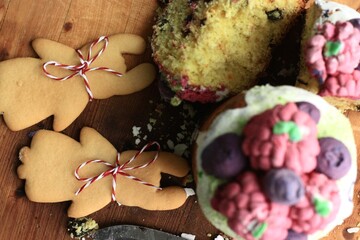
{"type": "Point", "coordinates": [29, 94]}
{"type": "Point", "coordinates": [49, 167]}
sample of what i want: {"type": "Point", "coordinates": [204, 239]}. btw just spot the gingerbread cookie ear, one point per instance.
{"type": "Point", "coordinates": [91, 173]}
{"type": "Point", "coordinates": [49, 50]}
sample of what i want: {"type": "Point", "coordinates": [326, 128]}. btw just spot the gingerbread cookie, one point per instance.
{"type": "Point", "coordinates": [91, 173]}
{"type": "Point", "coordinates": [63, 80]}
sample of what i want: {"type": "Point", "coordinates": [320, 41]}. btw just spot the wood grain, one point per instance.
{"type": "Point", "coordinates": [75, 22]}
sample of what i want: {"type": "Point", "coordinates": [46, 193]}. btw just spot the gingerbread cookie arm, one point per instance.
{"type": "Point", "coordinates": [136, 79]}
{"type": "Point", "coordinates": [148, 198]}
{"type": "Point", "coordinates": [105, 85]}
{"type": "Point", "coordinates": [173, 164]}
{"type": "Point", "coordinates": [151, 198]}
{"type": "Point", "coordinates": [132, 81]}
{"type": "Point", "coordinates": [130, 43]}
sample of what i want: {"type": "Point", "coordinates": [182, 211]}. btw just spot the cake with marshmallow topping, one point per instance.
{"type": "Point", "coordinates": [273, 164]}
{"type": "Point", "coordinates": [331, 54]}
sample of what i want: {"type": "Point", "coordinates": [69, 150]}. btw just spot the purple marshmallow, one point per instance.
{"type": "Point", "coordinates": [310, 109]}
{"type": "Point", "coordinates": [355, 22]}
{"type": "Point", "coordinates": [283, 186]}
{"type": "Point", "coordinates": [223, 157]}
{"type": "Point", "coordinates": [292, 235]}
{"type": "Point", "coordinates": [334, 159]}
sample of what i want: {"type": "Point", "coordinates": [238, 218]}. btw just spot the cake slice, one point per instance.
{"type": "Point", "coordinates": [208, 50]}
{"type": "Point", "coordinates": [329, 62]}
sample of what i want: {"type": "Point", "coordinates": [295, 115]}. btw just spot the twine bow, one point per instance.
{"type": "Point", "coordinates": [118, 168]}
{"type": "Point", "coordinates": [84, 66]}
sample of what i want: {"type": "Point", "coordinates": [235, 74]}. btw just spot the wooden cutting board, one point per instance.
{"type": "Point", "coordinates": [74, 23]}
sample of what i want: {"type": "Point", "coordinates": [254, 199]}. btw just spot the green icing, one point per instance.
{"type": "Point", "coordinates": [259, 230]}
{"type": "Point", "coordinates": [332, 48]}
{"type": "Point", "coordinates": [322, 206]}
{"type": "Point", "coordinates": [288, 127]}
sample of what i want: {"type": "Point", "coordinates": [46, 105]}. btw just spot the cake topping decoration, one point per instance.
{"type": "Point", "coordinates": [310, 109]}
{"type": "Point", "coordinates": [333, 48]}
{"type": "Point", "coordinates": [283, 186]}
{"type": "Point", "coordinates": [223, 157]}
{"type": "Point", "coordinates": [322, 206]}
{"type": "Point", "coordinates": [84, 66]}
{"type": "Point", "coordinates": [248, 211]}
{"type": "Point", "coordinates": [292, 235]}
{"type": "Point", "coordinates": [334, 159]}
{"type": "Point", "coordinates": [267, 150]}
{"type": "Point", "coordinates": [117, 169]}
{"type": "Point", "coordinates": [333, 55]}
{"type": "Point", "coordinates": [259, 230]}
{"type": "Point", "coordinates": [319, 205]}
{"type": "Point", "coordinates": [290, 128]}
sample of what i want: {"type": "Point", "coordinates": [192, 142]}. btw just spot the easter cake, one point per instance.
{"type": "Point", "coordinates": [330, 53]}
{"type": "Point", "coordinates": [273, 164]}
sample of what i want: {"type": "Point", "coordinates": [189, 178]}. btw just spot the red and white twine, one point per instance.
{"type": "Point", "coordinates": [84, 66]}
{"type": "Point", "coordinates": [118, 168]}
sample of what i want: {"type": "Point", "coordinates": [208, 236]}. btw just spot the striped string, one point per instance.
{"type": "Point", "coordinates": [118, 168]}
{"type": "Point", "coordinates": [84, 66]}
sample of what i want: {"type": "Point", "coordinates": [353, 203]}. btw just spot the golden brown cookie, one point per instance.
{"type": "Point", "coordinates": [28, 95]}
{"type": "Point", "coordinates": [49, 166]}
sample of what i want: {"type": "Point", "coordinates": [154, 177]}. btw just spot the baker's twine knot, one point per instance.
{"type": "Point", "coordinates": [117, 168]}
{"type": "Point", "coordinates": [84, 66]}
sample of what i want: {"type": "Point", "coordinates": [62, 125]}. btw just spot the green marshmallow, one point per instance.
{"type": "Point", "coordinates": [332, 48]}
{"type": "Point", "coordinates": [322, 207]}
{"type": "Point", "coordinates": [259, 230]}
{"type": "Point", "coordinates": [290, 128]}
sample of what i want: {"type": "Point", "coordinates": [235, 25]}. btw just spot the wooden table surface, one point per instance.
{"type": "Point", "coordinates": [74, 23]}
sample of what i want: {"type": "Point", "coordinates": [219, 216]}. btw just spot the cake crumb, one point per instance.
{"type": "Point", "coordinates": [209, 235]}
{"type": "Point", "coordinates": [188, 236]}
{"type": "Point", "coordinates": [149, 127]}
{"type": "Point", "coordinates": [152, 121]}
{"type": "Point", "coordinates": [136, 131]}
{"type": "Point", "coordinates": [78, 228]}
{"type": "Point", "coordinates": [170, 144]}
{"type": "Point", "coordinates": [178, 138]}
{"type": "Point", "coordinates": [179, 149]}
